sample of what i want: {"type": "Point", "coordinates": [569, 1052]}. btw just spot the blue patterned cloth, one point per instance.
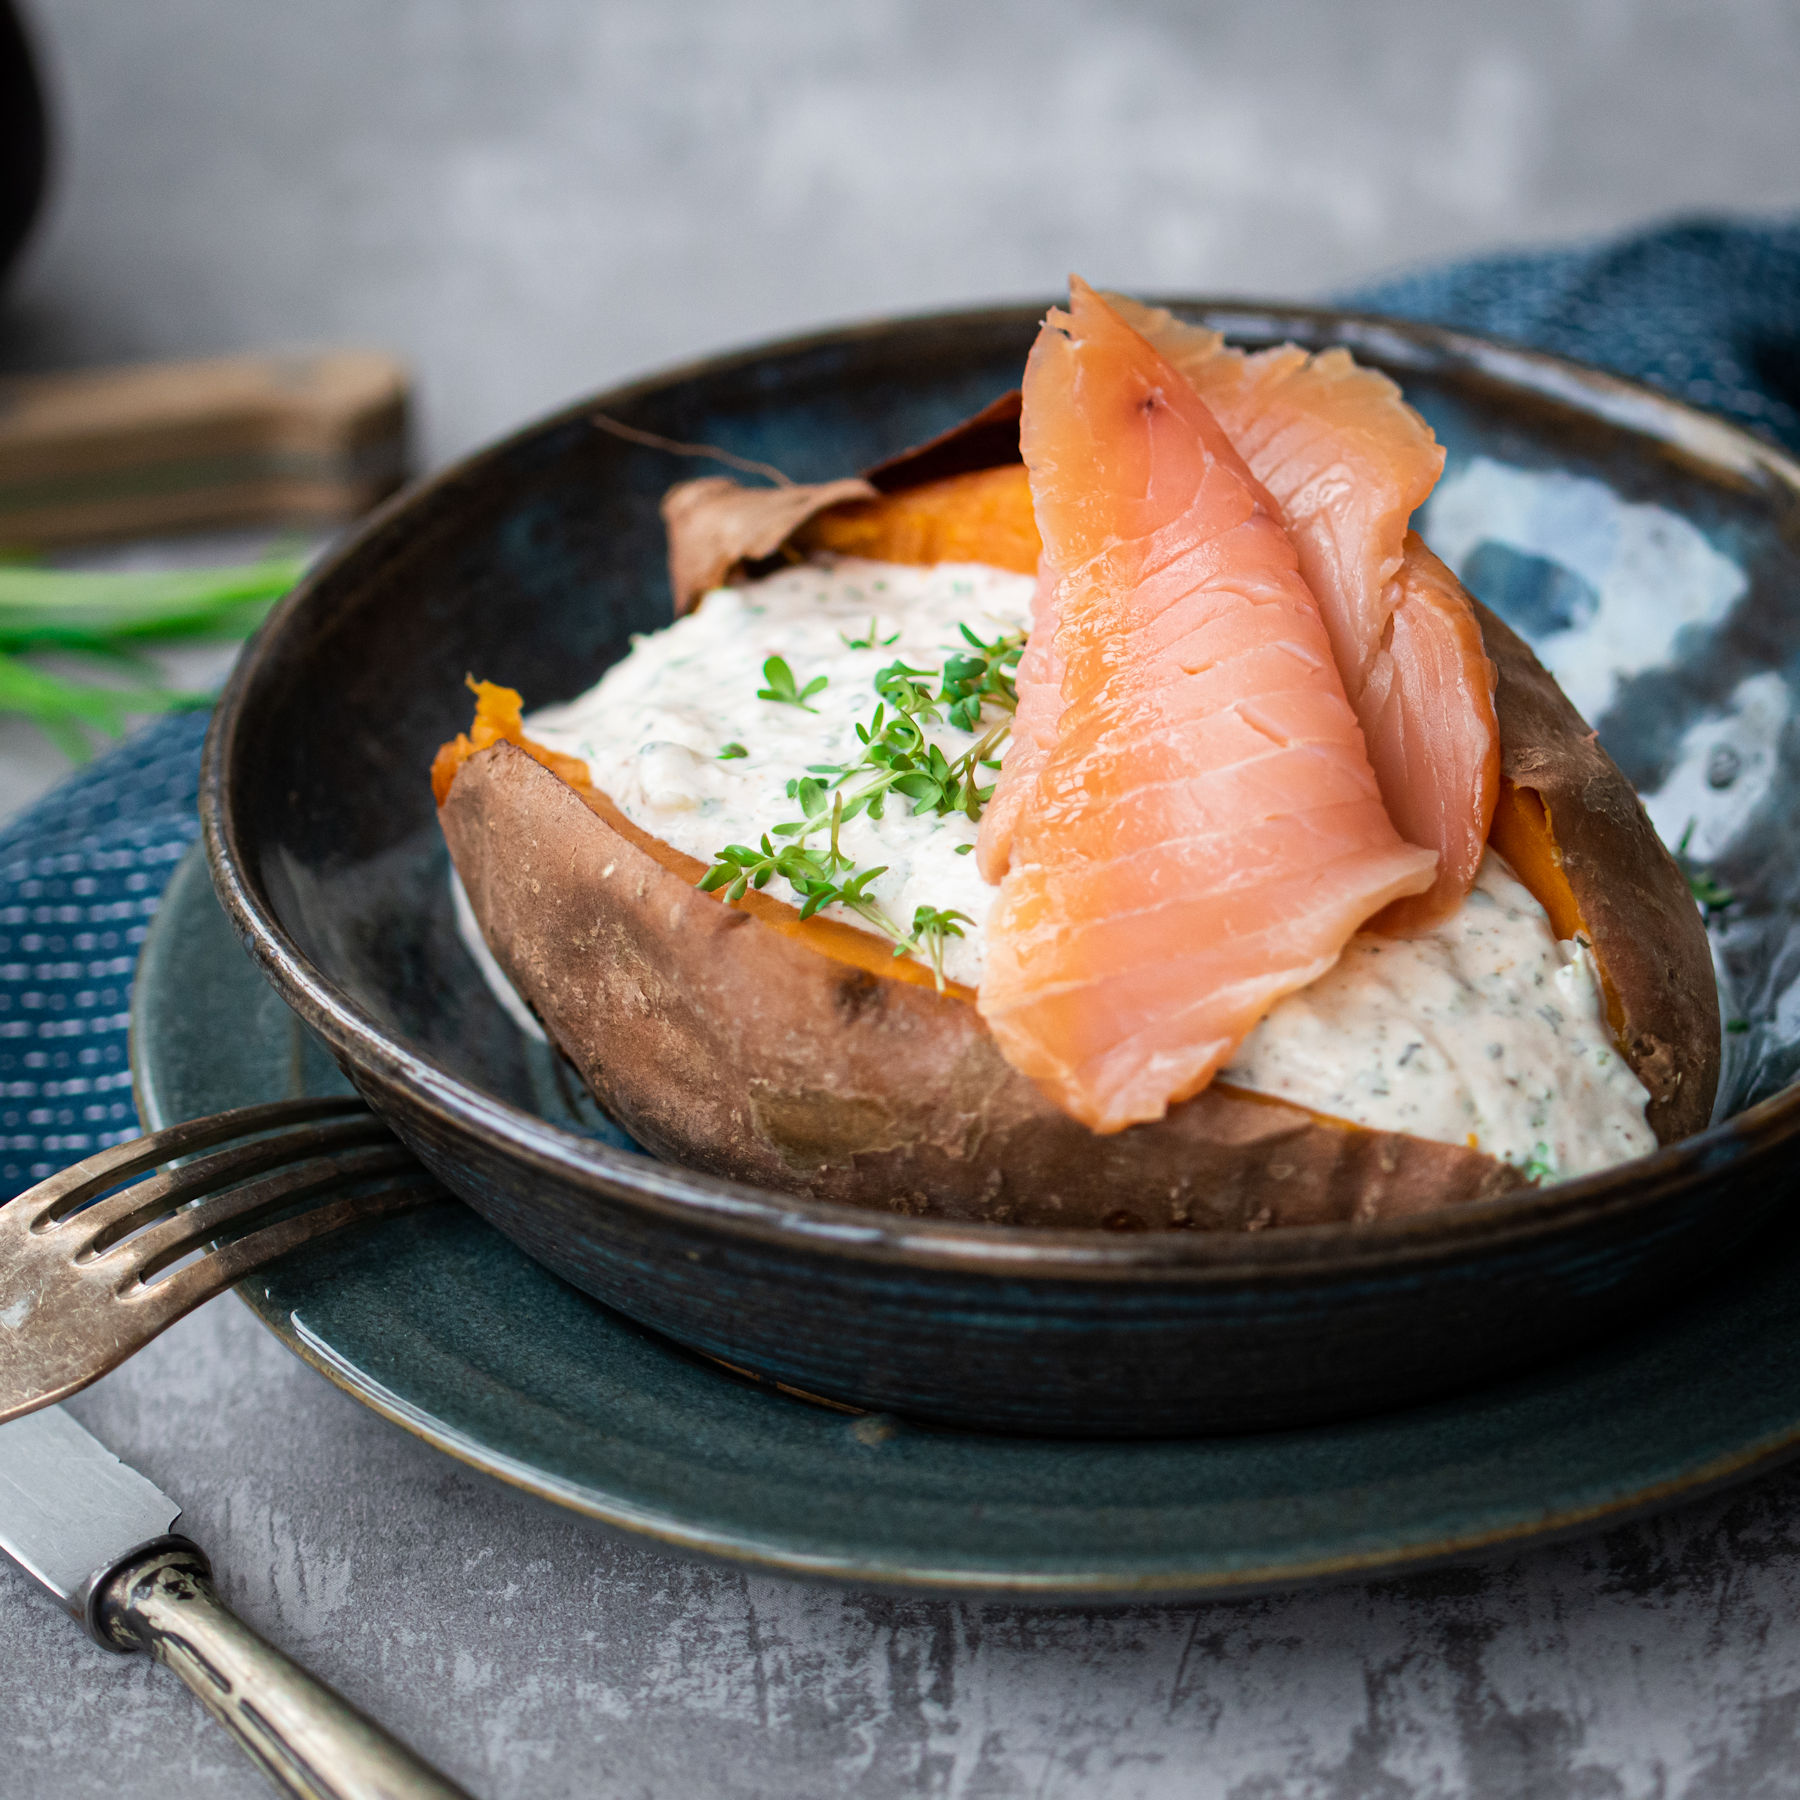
{"type": "Point", "coordinates": [80, 875]}
{"type": "Point", "coordinates": [1704, 309]}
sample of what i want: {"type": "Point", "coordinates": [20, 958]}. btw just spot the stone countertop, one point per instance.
{"type": "Point", "coordinates": [532, 1655]}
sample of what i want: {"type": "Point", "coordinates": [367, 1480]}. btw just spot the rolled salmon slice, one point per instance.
{"type": "Point", "coordinates": [1348, 462]}
{"type": "Point", "coordinates": [1204, 831]}
{"type": "Point", "coordinates": [1424, 712]}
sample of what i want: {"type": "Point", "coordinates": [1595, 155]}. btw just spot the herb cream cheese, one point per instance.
{"type": "Point", "coordinates": [675, 735]}
{"type": "Point", "coordinates": [1484, 1031]}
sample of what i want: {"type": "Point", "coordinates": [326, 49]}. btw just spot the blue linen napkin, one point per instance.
{"type": "Point", "coordinates": [80, 875]}
{"type": "Point", "coordinates": [1705, 309]}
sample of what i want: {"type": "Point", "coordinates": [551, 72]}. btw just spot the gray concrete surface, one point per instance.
{"type": "Point", "coordinates": [537, 1659]}
{"type": "Point", "coordinates": [531, 198]}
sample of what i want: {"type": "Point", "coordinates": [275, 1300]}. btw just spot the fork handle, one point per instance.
{"type": "Point", "coordinates": [309, 1741]}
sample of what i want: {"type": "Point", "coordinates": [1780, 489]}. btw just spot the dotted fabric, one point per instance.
{"type": "Point", "coordinates": [80, 875]}
{"type": "Point", "coordinates": [1705, 309]}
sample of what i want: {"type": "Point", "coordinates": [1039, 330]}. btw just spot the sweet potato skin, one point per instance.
{"type": "Point", "coordinates": [726, 1046]}
{"type": "Point", "coordinates": [718, 526]}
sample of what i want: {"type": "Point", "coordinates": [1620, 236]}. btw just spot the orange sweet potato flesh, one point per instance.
{"type": "Point", "coordinates": [499, 718]}
{"type": "Point", "coordinates": [1521, 832]}
{"type": "Point", "coordinates": [983, 516]}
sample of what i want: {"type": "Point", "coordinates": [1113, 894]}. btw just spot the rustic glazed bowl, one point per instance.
{"type": "Point", "coordinates": [534, 562]}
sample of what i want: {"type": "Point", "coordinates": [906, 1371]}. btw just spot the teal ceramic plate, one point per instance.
{"type": "Point", "coordinates": [441, 1324]}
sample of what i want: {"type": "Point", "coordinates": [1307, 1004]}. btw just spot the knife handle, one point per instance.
{"type": "Point", "coordinates": [309, 1741]}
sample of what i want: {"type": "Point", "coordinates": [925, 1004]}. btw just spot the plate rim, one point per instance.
{"type": "Point", "coordinates": [1072, 1589]}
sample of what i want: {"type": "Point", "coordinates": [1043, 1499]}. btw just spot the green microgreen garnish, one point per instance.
{"type": "Point", "coordinates": [984, 678]}
{"type": "Point", "coordinates": [731, 752]}
{"type": "Point", "coordinates": [869, 641]}
{"type": "Point", "coordinates": [897, 757]}
{"type": "Point", "coordinates": [782, 689]}
{"type": "Point", "coordinates": [932, 929]}
{"type": "Point", "coordinates": [104, 619]}
{"type": "Point", "coordinates": [1539, 1166]}
{"type": "Point", "coordinates": [1711, 894]}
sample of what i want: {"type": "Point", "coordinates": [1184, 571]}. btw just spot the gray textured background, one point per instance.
{"type": "Point", "coordinates": [529, 199]}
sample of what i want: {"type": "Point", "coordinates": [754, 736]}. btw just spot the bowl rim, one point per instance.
{"type": "Point", "coordinates": [797, 1224]}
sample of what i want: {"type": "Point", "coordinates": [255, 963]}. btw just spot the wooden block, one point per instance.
{"type": "Point", "coordinates": [164, 447]}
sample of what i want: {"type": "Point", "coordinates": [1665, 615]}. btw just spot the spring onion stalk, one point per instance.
{"type": "Point", "coordinates": [110, 619]}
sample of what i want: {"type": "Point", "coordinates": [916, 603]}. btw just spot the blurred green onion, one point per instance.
{"type": "Point", "coordinates": [111, 618]}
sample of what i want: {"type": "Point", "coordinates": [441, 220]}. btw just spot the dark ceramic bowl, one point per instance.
{"type": "Point", "coordinates": [535, 561]}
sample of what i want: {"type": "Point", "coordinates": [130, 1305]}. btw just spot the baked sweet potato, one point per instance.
{"type": "Point", "coordinates": [731, 1046]}
{"type": "Point", "coordinates": [801, 1056]}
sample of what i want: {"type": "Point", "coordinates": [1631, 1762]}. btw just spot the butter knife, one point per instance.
{"type": "Point", "coordinates": [99, 1538]}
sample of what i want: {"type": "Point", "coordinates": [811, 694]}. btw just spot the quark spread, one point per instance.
{"type": "Point", "coordinates": [651, 733]}
{"type": "Point", "coordinates": [1485, 1031]}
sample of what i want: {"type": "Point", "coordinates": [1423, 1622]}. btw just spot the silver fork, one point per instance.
{"type": "Point", "coordinates": [88, 1276]}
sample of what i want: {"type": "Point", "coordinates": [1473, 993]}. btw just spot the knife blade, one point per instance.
{"type": "Point", "coordinates": [69, 1509]}
{"type": "Point", "coordinates": [96, 1535]}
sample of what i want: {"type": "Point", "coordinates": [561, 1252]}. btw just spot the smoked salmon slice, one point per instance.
{"type": "Point", "coordinates": [1425, 711]}
{"type": "Point", "coordinates": [1348, 463]}
{"type": "Point", "coordinates": [1204, 832]}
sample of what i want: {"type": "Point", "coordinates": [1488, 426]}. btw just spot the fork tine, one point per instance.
{"type": "Point", "coordinates": [62, 1193]}
{"type": "Point", "coordinates": [180, 1293]}
{"type": "Point", "coordinates": [103, 1223]}
{"type": "Point", "coordinates": [69, 1312]}
{"type": "Point", "coordinates": [169, 1239]}
{"type": "Point", "coordinates": [76, 1322]}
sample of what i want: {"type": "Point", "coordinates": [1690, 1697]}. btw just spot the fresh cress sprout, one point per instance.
{"type": "Point", "coordinates": [897, 758]}
{"type": "Point", "coordinates": [869, 641]}
{"type": "Point", "coordinates": [781, 688]}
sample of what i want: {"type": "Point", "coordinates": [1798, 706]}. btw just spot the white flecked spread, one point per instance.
{"type": "Point", "coordinates": [651, 732]}
{"type": "Point", "coordinates": [1485, 1031]}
